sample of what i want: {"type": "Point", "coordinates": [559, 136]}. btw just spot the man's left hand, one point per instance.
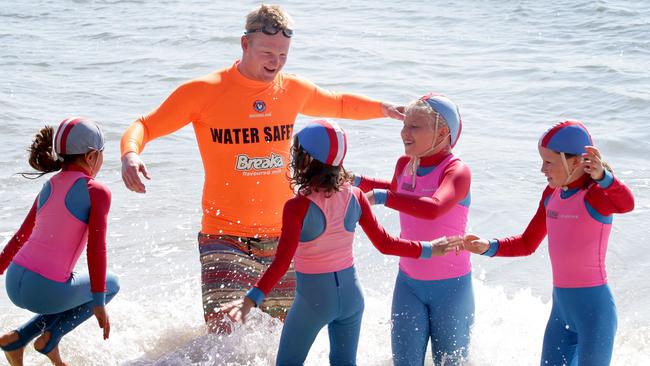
{"type": "Point", "coordinates": [393, 111]}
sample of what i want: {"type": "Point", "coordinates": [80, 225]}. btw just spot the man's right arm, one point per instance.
{"type": "Point", "coordinates": [181, 107]}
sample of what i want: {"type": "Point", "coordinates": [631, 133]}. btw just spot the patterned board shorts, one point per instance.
{"type": "Point", "coordinates": [230, 266]}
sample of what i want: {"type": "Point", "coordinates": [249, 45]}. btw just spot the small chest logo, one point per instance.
{"type": "Point", "coordinates": [259, 106]}
{"type": "Point", "coordinates": [551, 214]}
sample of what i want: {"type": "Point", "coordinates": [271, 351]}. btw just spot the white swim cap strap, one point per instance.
{"type": "Point", "coordinates": [568, 172]}
{"type": "Point", "coordinates": [56, 156]}
{"type": "Point", "coordinates": [434, 144]}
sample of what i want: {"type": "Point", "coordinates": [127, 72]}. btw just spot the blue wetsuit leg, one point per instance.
{"type": "Point", "coordinates": [581, 328]}
{"type": "Point", "coordinates": [410, 324]}
{"type": "Point", "coordinates": [35, 326]}
{"type": "Point", "coordinates": [329, 298]}
{"type": "Point", "coordinates": [440, 310]}
{"type": "Point", "coordinates": [344, 330]}
{"type": "Point", "coordinates": [62, 305]}
{"type": "Point", "coordinates": [452, 316]}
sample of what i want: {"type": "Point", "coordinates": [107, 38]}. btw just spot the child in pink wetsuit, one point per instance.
{"type": "Point", "coordinates": [576, 211]}
{"type": "Point", "coordinates": [433, 299]}
{"type": "Point", "coordinates": [69, 215]}
{"type": "Point", "coordinates": [318, 233]}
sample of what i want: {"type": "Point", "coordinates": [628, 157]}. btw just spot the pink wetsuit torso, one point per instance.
{"type": "Point", "coordinates": [332, 250]}
{"type": "Point", "coordinates": [450, 223]}
{"type": "Point", "coordinates": [577, 243]}
{"type": "Point", "coordinates": [58, 237]}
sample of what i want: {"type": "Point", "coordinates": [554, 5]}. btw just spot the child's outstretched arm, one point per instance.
{"type": "Point", "coordinates": [368, 184]}
{"type": "Point", "coordinates": [293, 215]}
{"type": "Point", "coordinates": [389, 245]}
{"type": "Point", "coordinates": [19, 239]}
{"type": "Point", "coordinates": [514, 246]}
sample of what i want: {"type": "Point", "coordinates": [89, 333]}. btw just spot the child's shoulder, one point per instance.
{"type": "Point", "coordinates": [97, 188]}
{"type": "Point", "coordinates": [402, 161]}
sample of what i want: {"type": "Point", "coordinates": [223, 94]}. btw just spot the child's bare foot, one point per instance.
{"type": "Point", "coordinates": [54, 354]}
{"type": "Point", "coordinates": [14, 357]}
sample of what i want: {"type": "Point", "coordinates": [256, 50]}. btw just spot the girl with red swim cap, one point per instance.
{"type": "Point", "coordinates": [318, 233]}
{"type": "Point", "coordinates": [576, 211]}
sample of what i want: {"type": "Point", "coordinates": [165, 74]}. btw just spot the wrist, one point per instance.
{"type": "Point", "coordinates": [256, 296]}
{"type": "Point", "coordinates": [99, 299]}
{"type": "Point", "coordinates": [381, 195]}
{"type": "Point", "coordinates": [606, 180]}
{"type": "Point", "coordinates": [427, 250]}
{"type": "Point", "coordinates": [492, 248]}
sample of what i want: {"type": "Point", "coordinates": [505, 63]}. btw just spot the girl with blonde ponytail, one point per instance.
{"type": "Point", "coordinates": [433, 298]}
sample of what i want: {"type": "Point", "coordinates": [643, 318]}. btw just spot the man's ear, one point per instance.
{"type": "Point", "coordinates": [244, 43]}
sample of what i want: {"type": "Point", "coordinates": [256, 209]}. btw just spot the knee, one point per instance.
{"type": "Point", "coordinates": [112, 284]}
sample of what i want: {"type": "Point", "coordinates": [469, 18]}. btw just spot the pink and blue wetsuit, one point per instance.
{"type": "Point", "coordinates": [318, 233]}
{"type": "Point", "coordinates": [582, 324]}
{"type": "Point", "coordinates": [433, 298]}
{"type": "Point", "coordinates": [70, 211]}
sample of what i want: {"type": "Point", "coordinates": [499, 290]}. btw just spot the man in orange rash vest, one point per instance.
{"type": "Point", "coordinates": [243, 119]}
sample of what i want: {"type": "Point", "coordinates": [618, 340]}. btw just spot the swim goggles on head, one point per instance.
{"type": "Point", "coordinates": [271, 30]}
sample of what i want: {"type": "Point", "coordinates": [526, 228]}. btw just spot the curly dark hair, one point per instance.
{"type": "Point", "coordinates": [41, 155]}
{"type": "Point", "coordinates": [310, 175]}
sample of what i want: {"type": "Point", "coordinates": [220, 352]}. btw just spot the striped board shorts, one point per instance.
{"type": "Point", "coordinates": [230, 266]}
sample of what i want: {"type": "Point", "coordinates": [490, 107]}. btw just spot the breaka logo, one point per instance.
{"type": "Point", "coordinates": [274, 161]}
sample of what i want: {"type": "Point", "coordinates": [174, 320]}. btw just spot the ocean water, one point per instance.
{"type": "Point", "coordinates": [513, 67]}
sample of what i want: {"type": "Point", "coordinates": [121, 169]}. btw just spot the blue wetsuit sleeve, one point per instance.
{"type": "Point", "coordinates": [256, 295]}
{"type": "Point", "coordinates": [357, 180]}
{"type": "Point", "coordinates": [607, 180]}
{"type": "Point", "coordinates": [494, 248]}
{"type": "Point", "coordinates": [99, 298]}
{"type": "Point", "coordinates": [380, 196]}
{"type": "Point", "coordinates": [427, 250]}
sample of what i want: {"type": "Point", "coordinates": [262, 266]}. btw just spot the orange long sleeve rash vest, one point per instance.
{"type": "Point", "coordinates": [244, 129]}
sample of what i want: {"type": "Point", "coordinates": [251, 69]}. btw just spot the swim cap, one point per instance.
{"type": "Point", "coordinates": [567, 137]}
{"type": "Point", "coordinates": [77, 135]}
{"type": "Point", "coordinates": [325, 141]}
{"type": "Point", "coordinates": [449, 111]}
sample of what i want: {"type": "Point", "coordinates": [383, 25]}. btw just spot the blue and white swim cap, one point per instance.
{"type": "Point", "coordinates": [449, 111]}
{"type": "Point", "coordinates": [325, 141]}
{"type": "Point", "coordinates": [567, 137]}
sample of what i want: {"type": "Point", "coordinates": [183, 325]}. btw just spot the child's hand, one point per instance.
{"type": "Point", "coordinates": [446, 244]}
{"type": "Point", "coordinates": [592, 163]}
{"type": "Point", "coordinates": [102, 319]}
{"type": "Point", "coordinates": [475, 244]}
{"type": "Point", "coordinates": [238, 309]}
